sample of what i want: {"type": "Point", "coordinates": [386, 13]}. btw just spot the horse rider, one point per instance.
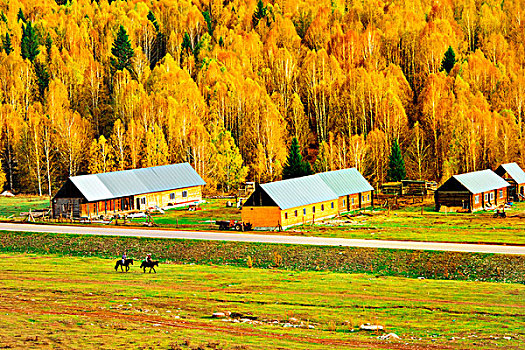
{"type": "Point", "coordinates": [124, 257]}
{"type": "Point", "coordinates": [148, 258]}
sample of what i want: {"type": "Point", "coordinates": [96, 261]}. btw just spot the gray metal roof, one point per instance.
{"type": "Point", "coordinates": [299, 191]}
{"type": "Point", "coordinates": [118, 184]}
{"type": "Point", "coordinates": [515, 172]}
{"type": "Point", "coordinates": [481, 181]}
{"type": "Point", "coordinates": [346, 181]}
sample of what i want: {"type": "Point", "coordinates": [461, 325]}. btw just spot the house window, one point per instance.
{"type": "Point", "coordinates": [322, 207]}
{"type": "Point", "coordinates": [172, 196]}
{"type": "Point", "coordinates": [344, 202]}
{"type": "Point", "coordinates": [295, 212]}
{"type": "Point", "coordinates": [313, 209]}
{"type": "Point", "coordinates": [500, 193]}
{"type": "Point", "coordinates": [286, 215]}
{"type": "Point", "coordinates": [352, 201]}
{"type": "Point", "coordinates": [491, 195]}
{"type": "Point", "coordinates": [476, 199]}
{"type": "Point", "coordinates": [332, 205]}
{"type": "Point", "coordinates": [184, 194]}
{"type": "Point", "coordinates": [304, 211]}
{"type": "Point", "coordinates": [486, 197]}
{"type": "Point", "coordinates": [143, 200]}
{"type": "Point", "coordinates": [368, 197]}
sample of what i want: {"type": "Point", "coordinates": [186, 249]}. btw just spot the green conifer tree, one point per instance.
{"type": "Point", "coordinates": [29, 43]}
{"type": "Point", "coordinates": [20, 16]}
{"type": "Point", "coordinates": [122, 51]}
{"type": "Point", "coordinates": [396, 164]}
{"type": "Point", "coordinates": [42, 78]}
{"type": "Point", "coordinates": [153, 20]}
{"type": "Point", "coordinates": [209, 23]}
{"type": "Point", "coordinates": [6, 44]}
{"type": "Point", "coordinates": [449, 60]}
{"type": "Point", "coordinates": [295, 165]}
{"type": "Point", "coordinates": [260, 12]}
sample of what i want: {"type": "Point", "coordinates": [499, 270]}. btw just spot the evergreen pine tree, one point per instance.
{"type": "Point", "coordinates": [122, 51]}
{"type": "Point", "coordinates": [6, 44]}
{"type": "Point", "coordinates": [153, 20]}
{"type": "Point", "coordinates": [396, 164]}
{"type": "Point", "coordinates": [295, 165]}
{"type": "Point", "coordinates": [20, 16]}
{"type": "Point", "coordinates": [260, 12]}
{"type": "Point", "coordinates": [43, 77]}
{"type": "Point", "coordinates": [209, 23]}
{"type": "Point", "coordinates": [3, 18]}
{"type": "Point", "coordinates": [29, 43]}
{"type": "Point", "coordinates": [48, 44]}
{"type": "Point", "coordinates": [449, 60]}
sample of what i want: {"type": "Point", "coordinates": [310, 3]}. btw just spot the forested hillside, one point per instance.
{"type": "Point", "coordinates": [95, 86]}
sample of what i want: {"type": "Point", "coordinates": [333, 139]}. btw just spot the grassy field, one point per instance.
{"type": "Point", "coordinates": [408, 223]}
{"type": "Point", "coordinates": [15, 205]}
{"type": "Point", "coordinates": [66, 302]}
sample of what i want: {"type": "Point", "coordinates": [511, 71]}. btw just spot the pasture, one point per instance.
{"type": "Point", "coordinates": [50, 301]}
{"type": "Point", "coordinates": [408, 223]}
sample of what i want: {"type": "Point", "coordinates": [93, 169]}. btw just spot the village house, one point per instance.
{"type": "Point", "coordinates": [515, 176]}
{"type": "Point", "coordinates": [473, 191]}
{"type": "Point", "coordinates": [306, 199]}
{"type": "Point", "coordinates": [351, 187]}
{"type": "Point", "coordinates": [128, 190]}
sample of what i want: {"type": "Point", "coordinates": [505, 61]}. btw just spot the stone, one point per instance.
{"type": "Point", "coordinates": [370, 327]}
{"type": "Point", "coordinates": [388, 336]}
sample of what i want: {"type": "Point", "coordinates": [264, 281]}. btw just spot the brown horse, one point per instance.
{"type": "Point", "coordinates": [125, 264]}
{"type": "Point", "coordinates": [150, 264]}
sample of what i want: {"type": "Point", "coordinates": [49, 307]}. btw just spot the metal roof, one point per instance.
{"type": "Point", "coordinates": [124, 183]}
{"type": "Point", "coordinates": [481, 181]}
{"type": "Point", "coordinates": [299, 191]}
{"type": "Point", "coordinates": [515, 172]}
{"type": "Point", "coordinates": [345, 181]}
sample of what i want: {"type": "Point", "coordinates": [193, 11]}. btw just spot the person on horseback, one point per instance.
{"type": "Point", "coordinates": [148, 258]}
{"type": "Point", "coordinates": [124, 257]}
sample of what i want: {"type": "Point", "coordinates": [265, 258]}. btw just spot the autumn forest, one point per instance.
{"type": "Point", "coordinates": [94, 86]}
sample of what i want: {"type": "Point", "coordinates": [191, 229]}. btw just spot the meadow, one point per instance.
{"type": "Point", "coordinates": [408, 223]}
{"type": "Point", "coordinates": [50, 301]}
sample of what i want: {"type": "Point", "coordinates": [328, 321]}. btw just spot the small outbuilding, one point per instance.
{"type": "Point", "coordinates": [473, 191]}
{"type": "Point", "coordinates": [351, 187]}
{"type": "Point", "coordinates": [515, 176]}
{"type": "Point", "coordinates": [120, 191]}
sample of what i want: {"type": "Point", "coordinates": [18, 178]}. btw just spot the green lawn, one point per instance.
{"type": "Point", "coordinates": [15, 205]}
{"type": "Point", "coordinates": [64, 302]}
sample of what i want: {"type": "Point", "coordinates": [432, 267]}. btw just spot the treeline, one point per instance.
{"type": "Point", "coordinates": [91, 86]}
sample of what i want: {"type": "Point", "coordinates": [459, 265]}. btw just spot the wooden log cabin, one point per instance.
{"type": "Point", "coordinates": [515, 176]}
{"type": "Point", "coordinates": [110, 193]}
{"type": "Point", "coordinates": [306, 199]}
{"type": "Point", "coordinates": [472, 191]}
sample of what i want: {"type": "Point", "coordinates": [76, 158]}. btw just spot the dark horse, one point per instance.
{"type": "Point", "coordinates": [126, 264]}
{"type": "Point", "coordinates": [150, 264]}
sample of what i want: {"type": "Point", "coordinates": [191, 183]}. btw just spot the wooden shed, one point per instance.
{"type": "Point", "coordinates": [515, 176]}
{"type": "Point", "coordinates": [119, 191]}
{"type": "Point", "coordinates": [472, 191]}
{"type": "Point", "coordinates": [290, 202]}
{"type": "Point", "coordinates": [351, 187]}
